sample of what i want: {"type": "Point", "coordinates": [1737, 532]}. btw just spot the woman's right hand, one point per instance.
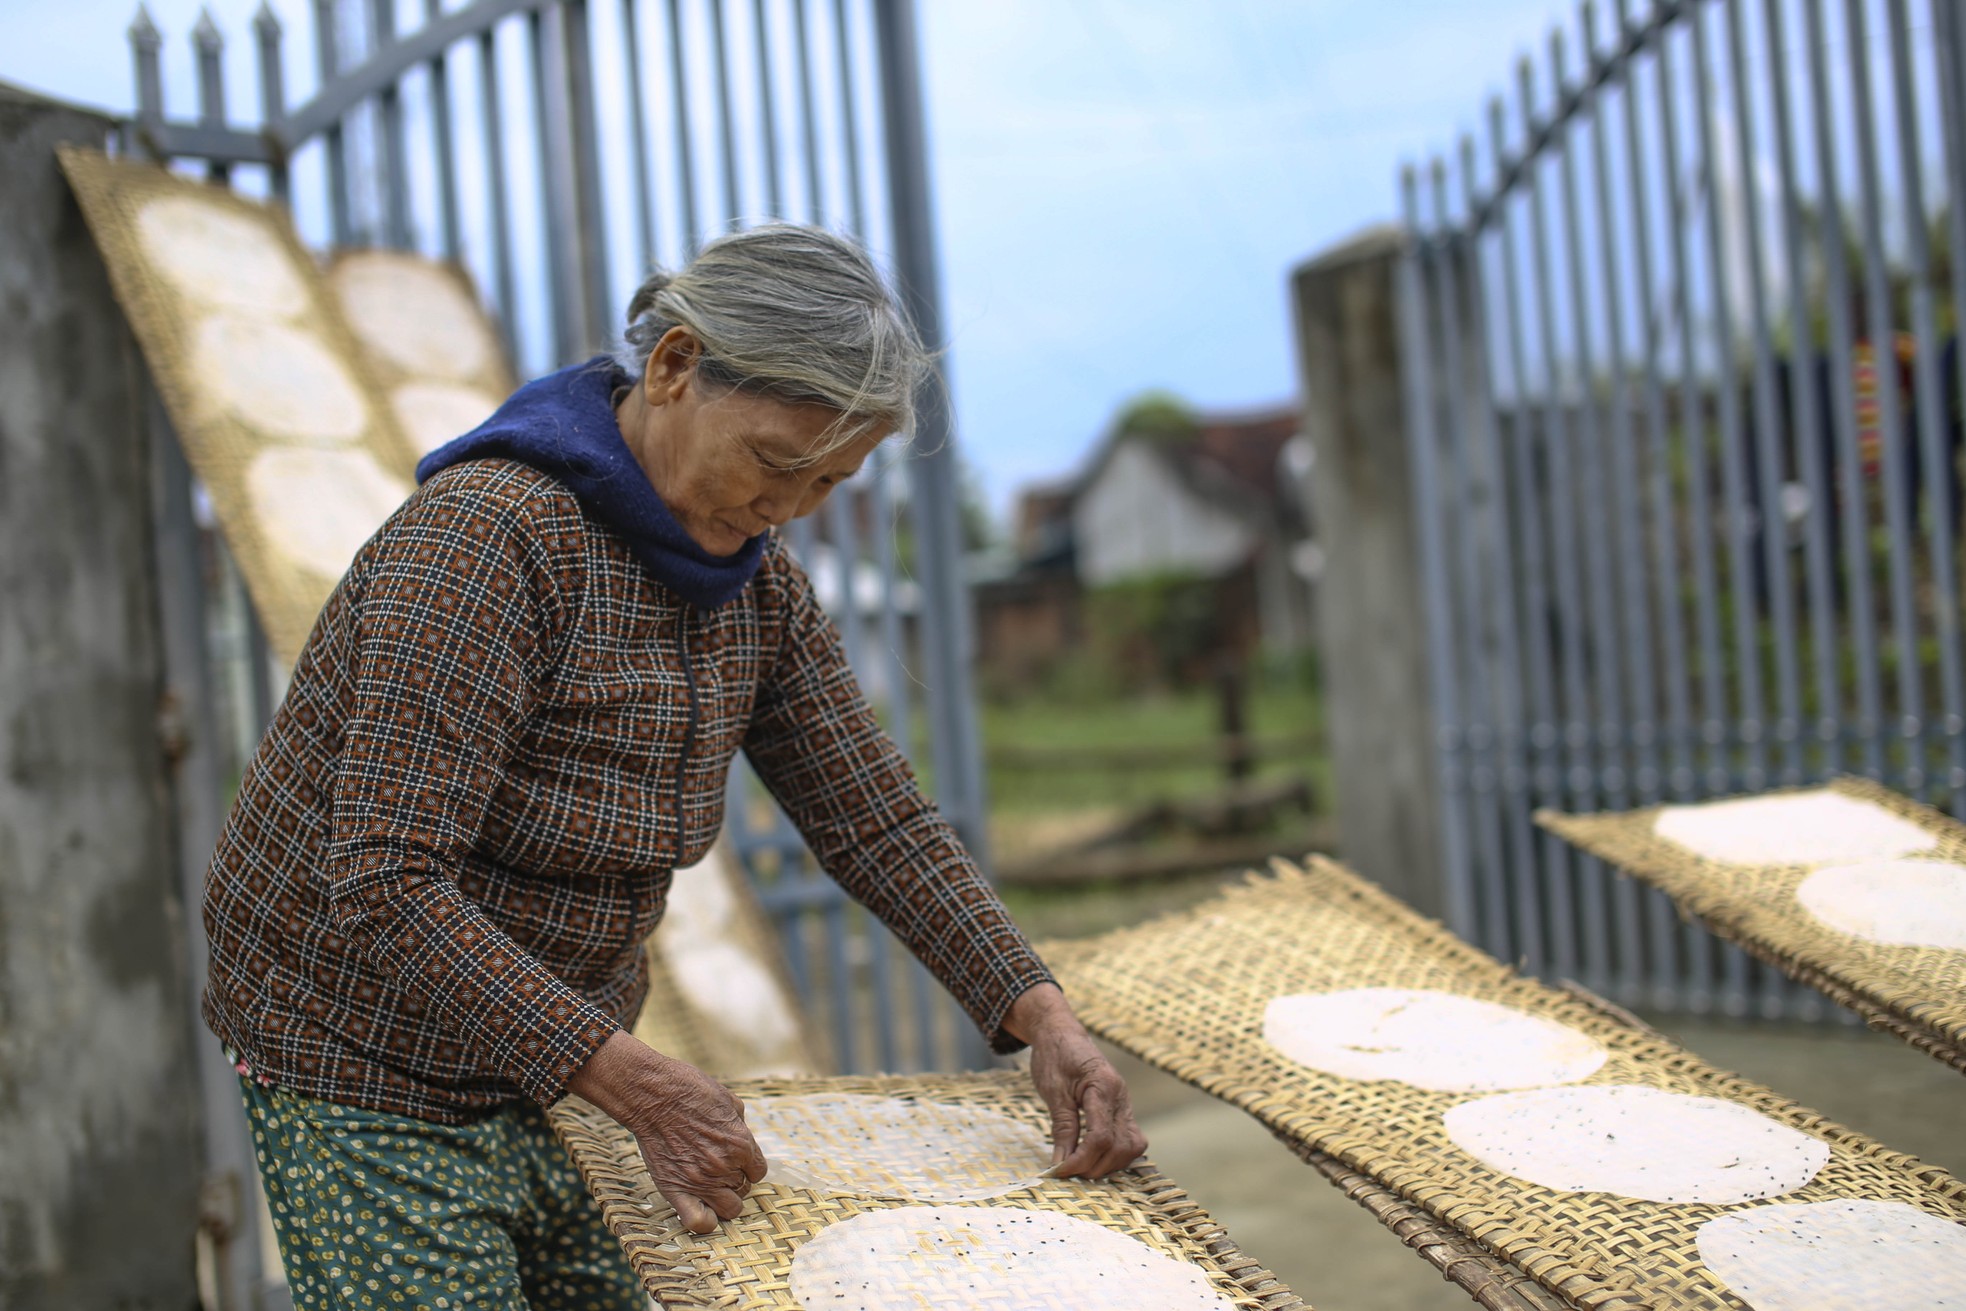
{"type": "Point", "coordinates": [691, 1128]}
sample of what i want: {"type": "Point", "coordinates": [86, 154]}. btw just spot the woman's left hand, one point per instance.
{"type": "Point", "coordinates": [1093, 1132]}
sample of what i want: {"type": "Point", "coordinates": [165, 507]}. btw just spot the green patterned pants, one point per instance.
{"type": "Point", "coordinates": [383, 1211]}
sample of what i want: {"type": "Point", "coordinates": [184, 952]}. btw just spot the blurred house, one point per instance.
{"type": "Point", "coordinates": [1224, 501]}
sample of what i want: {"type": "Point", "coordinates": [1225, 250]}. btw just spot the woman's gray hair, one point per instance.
{"type": "Point", "coordinates": [794, 313]}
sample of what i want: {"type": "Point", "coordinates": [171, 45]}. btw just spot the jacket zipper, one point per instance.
{"type": "Point", "coordinates": [689, 732]}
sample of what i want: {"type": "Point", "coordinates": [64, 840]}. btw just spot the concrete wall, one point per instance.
{"type": "Point", "coordinates": [1371, 623]}
{"type": "Point", "coordinates": [100, 1153]}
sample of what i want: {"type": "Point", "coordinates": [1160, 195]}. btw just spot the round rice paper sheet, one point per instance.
{"type": "Point", "coordinates": [891, 1147]}
{"type": "Point", "coordinates": [1646, 1143]}
{"type": "Point", "coordinates": [318, 507]}
{"type": "Point", "coordinates": [220, 259]}
{"type": "Point", "coordinates": [1440, 1041]}
{"type": "Point", "coordinates": [1903, 903]}
{"type": "Point", "coordinates": [1841, 1255]}
{"type": "Point", "coordinates": [279, 380]}
{"type": "Point", "coordinates": [435, 413]}
{"type": "Point", "coordinates": [991, 1258]}
{"type": "Point", "coordinates": [414, 314]}
{"type": "Point", "coordinates": [1800, 828]}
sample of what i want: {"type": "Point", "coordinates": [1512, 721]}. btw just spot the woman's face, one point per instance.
{"type": "Point", "coordinates": [729, 465]}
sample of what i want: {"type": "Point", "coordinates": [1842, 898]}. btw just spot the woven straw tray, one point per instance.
{"type": "Point", "coordinates": [1187, 994]}
{"type": "Point", "coordinates": [746, 1262]}
{"type": "Point", "coordinates": [224, 438]}
{"type": "Point", "coordinates": [1916, 993]}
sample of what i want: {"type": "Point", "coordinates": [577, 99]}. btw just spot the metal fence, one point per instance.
{"type": "Point", "coordinates": [1685, 386]}
{"type": "Point", "coordinates": [556, 149]}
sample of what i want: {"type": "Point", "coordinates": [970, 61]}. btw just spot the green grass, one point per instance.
{"type": "Point", "coordinates": [1158, 721]}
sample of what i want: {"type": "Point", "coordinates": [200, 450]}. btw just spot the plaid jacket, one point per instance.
{"type": "Point", "coordinates": [501, 738]}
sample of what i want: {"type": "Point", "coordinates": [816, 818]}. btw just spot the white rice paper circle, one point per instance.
{"type": "Point", "coordinates": [891, 1147]}
{"type": "Point", "coordinates": [728, 985]}
{"type": "Point", "coordinates": [1905, 903]}
{"type": "Point", "coordinates": [1646, 1143]}
{"type": "Point", "coordinates": [220, 259]}
{"type": "Point", "coordinates": [279, 380]}
{"type": "Point", "coordinates": [1435, 1040]}
{"type": "Point", "coordinates": [1800, 828]}
{"type": "Point", "coordinates": [434, 413]}
{"type": "Point", "coordinates": [991, 1258]}
{"type": "Point", "coordinates": [1841, 1255]}
{"type": "Point", "coordinates": [318, 507]}
{"type": "Point", "coordinates": [416, 316]}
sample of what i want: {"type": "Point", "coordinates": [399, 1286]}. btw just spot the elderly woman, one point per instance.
{"type": "Point", "coordinates": [511, 723]}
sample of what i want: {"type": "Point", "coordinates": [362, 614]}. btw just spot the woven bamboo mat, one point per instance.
{"type": "Point", "coordinates": [1187, 993]}
{"type": "Point", "coordinates": [698, 1007]}
{"type": "Point", "coordinates": [426, 337]}
{"type": "Point", "coordinates": [271, 398]}
{"type": "Point", "coordinates": [747, 1262]}
{"type": "Point", "coordinates": [1916, 993]}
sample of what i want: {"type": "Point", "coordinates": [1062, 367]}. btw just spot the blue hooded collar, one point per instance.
{"type": "Point", "coordinates": [563, 425]}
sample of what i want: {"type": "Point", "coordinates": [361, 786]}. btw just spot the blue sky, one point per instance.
{"type": "Point", "coordinates": [1120, 185]}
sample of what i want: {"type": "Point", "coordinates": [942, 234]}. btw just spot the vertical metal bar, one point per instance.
{"type": "Point", "coordinates": [1951, 44]}
{"type": "Point", "coordinates": [1640, 705]}
{"type": "Point", "coordinates": [1574, 701]}
{"type": "Point", "coordinates": [564, 100]}
{"type": "Point", "coordinates": [1883, 342]}
{"type": "Point", "coordinates": [584, 136]}
{"type": "Point", "coordinates": [1804, 409]}
{"type": "Point", "coordinates": [839, 969]}
{"type": "Point", "coordinates": [638, 139]}
{"type": "Point", "coordinates": [768, 109]}
{"type": "Point", "coordinates": [1853, 511]}
{"type": "Point", "coordinates": [1734, 999]}
{"type": "Point", "coordinates": [197, 779]}
{"type": "Point", "coordinates": [1422, 441]}
{"type": "Point", "coordinates": [1444, 260]}
{"type": "Point", "coordinates": [327, 52]}
{"type": "Point", "coordinates": [443, 139]}
{"type": "Point", "coordinates": [1652, 784]}
{"type": "Point", "coordinates": [1692, 422]}
{"type": "Point", "coordinates": [1602, 747]}
{"type": "Point", "coordinates": [1545, 774]}
{"type": "Point", "coordinates": [809, 119]}
{"type": "Point", "coordinates": [1940, 466]}
{"type": "Point", "coordinates": [900, 707]}
{"type": "Point", "coordinates": [1769, 467]}
{"type": "Point", "coordinates": [491, 110]}
{"type": "Point", "coordinates": [947, 645]}
{"type": "Point", "coordinates": [391, 149]}
{"type": "Point", "coordinates": [846, 554]}
{"type": "Point", "coordinates": [146, 43]}
{"type": "Point", "coordinates": [1514, 881]}
{"type": "Point", "coordinates": [856, 199]}
{"type": "Point", "coordinates": [685, 150]}
{"type": "Point", "coordinates": [210, 44]}
{"type": "Point", "coordinates": [1768, 463]}
{"type": "Point", "coordinates": [726, 120]}
{"type": "Point", "coordinates": [272, 93]}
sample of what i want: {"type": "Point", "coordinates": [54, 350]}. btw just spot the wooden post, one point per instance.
{"type": "Point", "coordinates": [1372, 633]}
{"type": "Point", "coordinates": [100, 1149]}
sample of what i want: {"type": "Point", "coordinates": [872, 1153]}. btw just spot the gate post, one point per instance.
{"type": "Point", "coordinates": [100, 1152]}
{"type": "Point", "coordinates": [1372, 623]}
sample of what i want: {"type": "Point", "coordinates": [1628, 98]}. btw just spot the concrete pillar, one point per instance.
{"type": "Point", "coordinates": [1371, 621]}
{"type": "Point", "coordinates": [100, 1149]}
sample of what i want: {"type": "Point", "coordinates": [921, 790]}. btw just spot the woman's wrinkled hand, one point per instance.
{"type": "Point", "coordinates": [1093, 1132]}
{"type": "Point", "coordinates": [691, 1128]}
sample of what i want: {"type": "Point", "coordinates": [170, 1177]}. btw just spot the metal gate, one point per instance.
{"type": "Point", "coordinates": [556, 149]}
{"type": "Point", "coordinates": [1683, 370]}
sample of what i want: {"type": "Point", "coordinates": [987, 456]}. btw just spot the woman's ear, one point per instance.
{"type": "Point", "coordinates": [671, 366]}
